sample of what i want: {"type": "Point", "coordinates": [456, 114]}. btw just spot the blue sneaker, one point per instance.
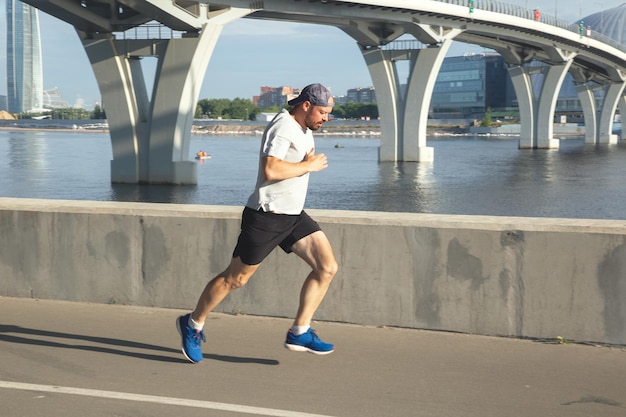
{"type": "Point", "coordinates": [308, 342]}
{"type": "Point", "coordinates": [192, 339]}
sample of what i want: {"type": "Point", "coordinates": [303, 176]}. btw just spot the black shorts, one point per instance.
{"type": "Point", "coordinates": [261, 232]}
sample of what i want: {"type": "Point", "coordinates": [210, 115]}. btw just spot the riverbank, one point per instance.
{"type": "Point", "coordinates": [351, 128]}
{"type": "Point", "coordinates": [228, 128]}
{"type": "Point", "coordinates": [49, 125]}
{"type": "Point", "coordinates": [51, 129]}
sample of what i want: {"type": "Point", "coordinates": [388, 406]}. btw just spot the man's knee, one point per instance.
{"type": "Point", "coordinates": [327, 270]}
{"type": "Point", "coordinates": [236, 281]}
{"type": "Point", "coordinates": [237, 274]}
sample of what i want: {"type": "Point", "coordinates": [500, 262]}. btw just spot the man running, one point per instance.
{"type": "Point", "coordinates": [274, 216]}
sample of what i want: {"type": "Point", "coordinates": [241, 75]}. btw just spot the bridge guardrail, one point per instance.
{"type": "Point", "coordinates": [525, 13]}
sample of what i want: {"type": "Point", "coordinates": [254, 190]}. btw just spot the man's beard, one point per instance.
{"type": "Point", "coordinates": [312, 125]}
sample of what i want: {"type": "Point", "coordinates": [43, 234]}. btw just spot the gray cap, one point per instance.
{"type": "Point", "coordinates": [316, 94]}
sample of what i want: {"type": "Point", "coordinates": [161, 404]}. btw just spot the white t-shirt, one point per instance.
{"type": "Point", "coordinates": [284, 139]}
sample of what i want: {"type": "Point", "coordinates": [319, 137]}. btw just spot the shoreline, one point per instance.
{"type": "Point", "coordinates": [360, 130]}
{"type": "Point", "coordinates": [241, 130]}
{"type": "Point", "coordinates": [50, 129]}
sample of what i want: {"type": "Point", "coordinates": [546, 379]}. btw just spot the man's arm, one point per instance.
{"type": "Point", "coordinates": [276, 169]}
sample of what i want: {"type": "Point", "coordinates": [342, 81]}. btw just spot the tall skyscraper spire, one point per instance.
{"type": "Point", "coordinates": [24, 69]}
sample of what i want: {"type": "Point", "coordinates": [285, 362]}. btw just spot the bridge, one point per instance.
{"type": "Point", "coordinates": [150, 136]}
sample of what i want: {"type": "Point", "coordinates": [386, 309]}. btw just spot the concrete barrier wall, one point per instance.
{"type": "Point", "coordinates": [524, 277]}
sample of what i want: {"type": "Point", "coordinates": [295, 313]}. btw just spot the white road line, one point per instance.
{"type": "Point", "coordinates": [156, 399]}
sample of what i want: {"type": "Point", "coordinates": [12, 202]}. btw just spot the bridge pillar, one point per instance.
{"type": "Point", "coordinates": [537, 110]}
{"type": "Point", "coordinates": [150, 138]}
{"type": "Point", "coordinates": [404, 119]}
{"type": "Point", "coordinates": [613, 94]}
{"type": "Point", "coordinates": [588, 101]}
{"type": "Point", "coordinates": [622, 112]}
{"type": "Point", "coordinates": [388, 97]}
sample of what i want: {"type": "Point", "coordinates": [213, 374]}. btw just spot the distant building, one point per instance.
{"type": "Point", "coordinates": [265, 117]}
{"type": "Point", "coordinates": [361, 95]}
{"type": "Point", "coordinates": [340, 99]}
{"type": "Point", "coordinates": [273, 97]}
{"type": "Point", "coordinates": [24, 69]}
{"type": "Point", "coordinates": [52, 99]}
{"type": "Point", "coordinates": [3, 103]}
{"type": "Point", "coordinates": [468, 85]}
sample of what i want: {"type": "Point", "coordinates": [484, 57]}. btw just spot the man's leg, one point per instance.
{"type": "Point", "coordinates": [235, 276]}
{"type": "Point", "coordinates": [190, 325]}
{"type": "Point", "coordinates": [315, 249]}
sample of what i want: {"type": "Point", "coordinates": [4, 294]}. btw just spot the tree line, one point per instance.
{"type": "Point", "coordinates": [245, 109]}
{"type": "Point", "coordinates": [218, 108]}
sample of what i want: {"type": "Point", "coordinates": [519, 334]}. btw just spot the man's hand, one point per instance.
{"type": "Point", "coordinates": [317, 162]}
{"type": "Point", "coordinates": [276, 169]}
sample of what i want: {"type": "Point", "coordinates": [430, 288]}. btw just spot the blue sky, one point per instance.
{"type": "Point", "coordinates": [249, 54]}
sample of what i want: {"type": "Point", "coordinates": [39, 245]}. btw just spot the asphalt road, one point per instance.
{"type": "Point", "coordinates": [76, 359]}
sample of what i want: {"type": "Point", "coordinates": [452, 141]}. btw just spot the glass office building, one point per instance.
{"type": "Point", "coordinates": [24, 70]}
{"type": "Point", "coordinates": [467, 85]}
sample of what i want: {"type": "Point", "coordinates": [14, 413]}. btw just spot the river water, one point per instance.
{"type": "Point", "coordinates": [470, 175]}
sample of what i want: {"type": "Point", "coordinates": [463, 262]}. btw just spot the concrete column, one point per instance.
{"type": "Point", "coordinates": [125, 105]}
{"type": "Point", "coordinates": [404, 119]}
{"type": "Point", "coordinates": [525, 102]}
{"type": "Point", "coordinates": [553, 80]}
{"type": "Point", "coordinates": [150, 138]}
{"type": "Point", "coordinates": [179, 77]}
{"type": "Point", "coordinates": [588, 102]}
{"type": "Point", "coordinates": [613, 93]}
{"type": "Point", "coordinates": [423, 74]}
{"type": "Point", "coordinates": [388, 97]}
{"type": "Point", "coordinates": [537, 110]}
{"type": "Point", "coordinates": [622, 112]}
